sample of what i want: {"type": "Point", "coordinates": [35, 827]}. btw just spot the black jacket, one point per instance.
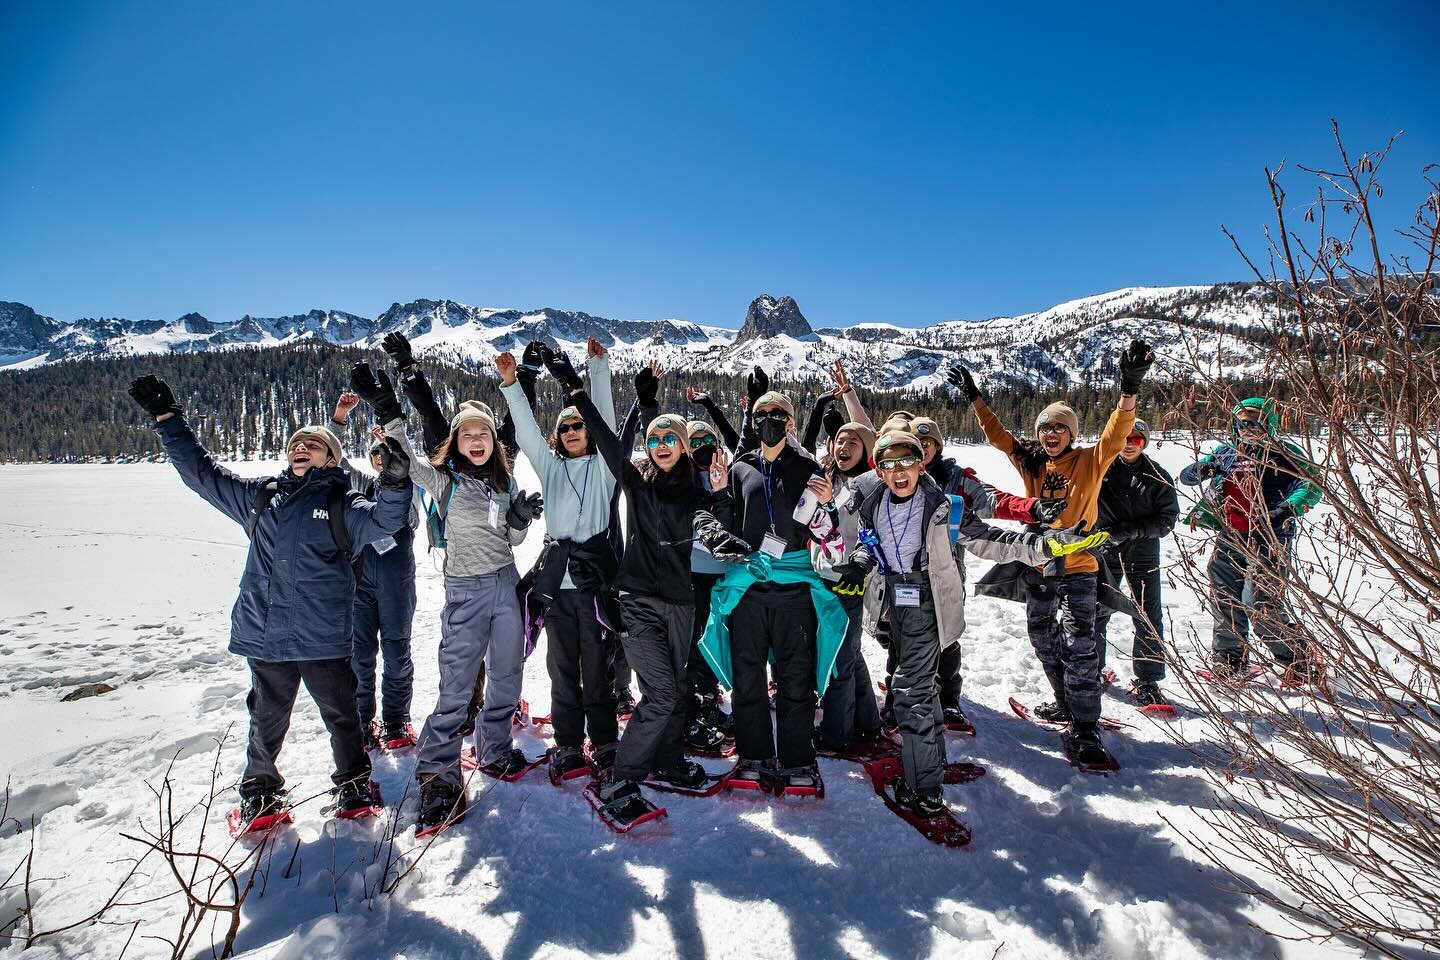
{"type": "Point", "coordinates": [755, 515]}
{"type": "Point", "coordinates": [660, 518]}
{"type": "Point", "coordinates": [1138, 501]}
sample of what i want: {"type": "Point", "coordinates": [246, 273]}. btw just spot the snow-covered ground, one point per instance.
{"type": "Point", "coordinates": [120, 574]}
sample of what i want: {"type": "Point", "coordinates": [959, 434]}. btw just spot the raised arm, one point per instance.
{"type": "Point", "coordinates": [854, 409]}
{"type": "Point", "coordinates": [717, 416]}
{"type": "Point", "coordinates": [817, 417]}
{"type": "Point", "coordinates": [434, 480]}
{"type": "Point", "coordinates": [527, 431]}
{"type": "Point", "coordinates": [616, 457]}
{"type": "Point", "coordinates": [602, 392]}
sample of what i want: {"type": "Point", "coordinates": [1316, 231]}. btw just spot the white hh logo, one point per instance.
{"type": "Point", "coordinates": [320, 515]}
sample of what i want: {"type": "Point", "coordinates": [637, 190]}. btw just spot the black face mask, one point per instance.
{"type": "Point", "coordinates": [703, 456]}
{"type": "Point", "coordinates": [771, 431]}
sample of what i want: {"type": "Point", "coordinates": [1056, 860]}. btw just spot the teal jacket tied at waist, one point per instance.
{"type": "Point", "coordinates": [793, 567]}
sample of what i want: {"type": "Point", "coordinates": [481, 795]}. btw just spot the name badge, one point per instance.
{"type": "Point", "coordinates": [773, 546]}
{"type": "Point", "coordinates": [384, 544]}
{"type": "Point", "coordinates": [494, 514]}
{"type": "Point", "coordinates": [907, 595]}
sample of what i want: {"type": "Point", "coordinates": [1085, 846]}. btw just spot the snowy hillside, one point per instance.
{"type": "Point", "coordinates": [1063, 865]}
{"type": "Point", "coordinates": [1063, 343]}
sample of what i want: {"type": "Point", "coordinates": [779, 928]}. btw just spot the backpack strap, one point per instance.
{"type": "Point", "coordinates": [339, 500]}
{"type": "Point", "coordinates": [263, 496]}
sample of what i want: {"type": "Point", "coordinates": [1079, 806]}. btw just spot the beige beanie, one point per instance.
{"type": "Point", "coordinates": [324, 434]}
{"type": "Point", "coordinates": [674, 424]}
{"type": "Point", "coordinates": [569, 413]}
{"type": "Point", "coordinates": [898, 438]}
{"type": "Point", "coordinates": [1059, 413]}
{"type": "Point", "coordinates": [699, 428]}
{"type": "Point", "coordinates": [473, 410]}
{"type": "Point", "coordinates": [774, 399]}
{"type": "Point", "coordinates": [864, 434]}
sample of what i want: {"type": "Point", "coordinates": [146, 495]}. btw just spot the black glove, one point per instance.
{"type": "Point", "coordinates": [854, 571]}
{"type": "Point", "coordinates": [1282, 515]}
{"type": "Point", "coordinates": [376, 390]}
{"type": "Point", "coordinates": [394, 465]}
{"type": "Point", "coordinates": [882, 634]}
{"type": "Point", "coordinates": [961, 380]}
{"type": "Point", "coordinates": [647, 387]}
{"type": "Point", "coordinates": [1135, 362]}
{"type": "Point", "coordinates": [398, 347]}
{"type": "Point", "coordinates": [832, 421]}
{"type": "Point", "coordinates": [562, 370]}
{"type": "Point", "coordinates": [523, 509]}
{"type": "Point", "coordinates": [1048, 509]}
{"type": "Point", "coordinates": [154, 395]}
{"type": "Point", "coordinates": [757, 384]}
{"type": "Point", "coordinates": [729, 549]}
{"type": "Point", "coordinates": [533, 355]}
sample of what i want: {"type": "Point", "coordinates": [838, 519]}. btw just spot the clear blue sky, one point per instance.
{"type": "Point", "coordinates": [909, 163]}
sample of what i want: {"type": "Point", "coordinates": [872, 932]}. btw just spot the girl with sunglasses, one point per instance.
{"type": "Point", "coordinates": [664, 504]}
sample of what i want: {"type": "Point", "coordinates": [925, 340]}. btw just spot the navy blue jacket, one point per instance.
{"type": "Point", "coordinates": [297, 591]}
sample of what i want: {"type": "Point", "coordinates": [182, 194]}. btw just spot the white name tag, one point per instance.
{"type": "Point", "coordinates": [384, 544]}
{"type": "Point", "coordinates": [494, 514]}
{"type": "Point", "coordinates": [773, 545]}
{"type": "Point", "coordinates": [907, 595]}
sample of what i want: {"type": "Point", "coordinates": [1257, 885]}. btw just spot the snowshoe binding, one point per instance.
{"type": "Point", "coordinates": [1086, 751]}
{"type": "Point", "coordinates": [355, 801]}
{"type": "Point", "coordinates": [441, 804]}
{"type": "Point", "coordinates": [397, 736]}
{"type": "Point", "coordinates": [1228, 668]}
{"type": "Point", "coordinates": [567, 763]}
{"type": "Point", "coordinates": [706, 741]}
{"type": "Point", "coordinates": [1151, 701]}
{"type": "Point", "coordinates": [620, 804]}
{"type": "Point", "coordinates": [956, 720]}
{"type": "Point", "coordinates": [511, 766]}
{"type": "Point", "coordinates": [689, 779]}
{"type": "Point", "coordinates": [750, 775]}
{"type": "Point", "coordinates": [800, 782]}
{"type": "Point", "coordinates": [258, 814]}
{"type": "Point", "coordinates": [1025, 713]}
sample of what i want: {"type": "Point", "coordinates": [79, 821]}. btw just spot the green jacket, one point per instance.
{"type": "Point", "coordinates": [793, 567]}
{"type": "Point", "coordinates": [1281, 468]}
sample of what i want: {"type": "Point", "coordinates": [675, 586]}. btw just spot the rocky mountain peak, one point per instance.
{"type": "Point", "coordinates": [769, 317]}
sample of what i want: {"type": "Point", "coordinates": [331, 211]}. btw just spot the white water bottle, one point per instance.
{"type": "Point", "coordinates": [806, 509]}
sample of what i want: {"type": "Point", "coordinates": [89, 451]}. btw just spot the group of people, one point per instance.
{"type": "Point", "coordinates": [747, 562]}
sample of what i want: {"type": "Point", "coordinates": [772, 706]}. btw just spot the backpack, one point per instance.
{"type": "Point", "coordinates": [435, 511]}
{"type": "Point", "coordinates": [335, 508]}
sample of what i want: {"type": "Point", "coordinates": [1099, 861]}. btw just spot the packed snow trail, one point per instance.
{"type": "Point", "coordinates": [119, 574]}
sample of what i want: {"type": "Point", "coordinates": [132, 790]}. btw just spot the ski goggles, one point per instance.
{"type": "Point", "coordinates": [704, 440]}
{"type": "Point", "coordinates": [897, 463]}
{"type": "Point", "coordinates": [669, 439]}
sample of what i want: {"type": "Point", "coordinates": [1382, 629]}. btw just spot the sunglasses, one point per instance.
{"type": "Point", "coordinates": [898, 463]}
{"type": "Point", "coordinates": [563, 429]}
{"type": "Point", "coordinates": [1053, 428]}
{"type": "Point", "coordinates": [653, 443]}
{"type": "Point", "coordinates": [1248, 424]}
{"type": "Point", "coordinates": [777, 415]}
{"type": "Point", "coordinates": [703, 441]}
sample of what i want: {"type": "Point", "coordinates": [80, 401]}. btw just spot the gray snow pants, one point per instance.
{"type": "Point", "coordinates": [1240, 582]}
{"type": "Point", "coordinates": [657, 646]}
{"type": "Point", "coordinates": [915, 639]}
{"type": "Point", "coordinates": [481, 625]}
{"type": "Point", "coordinates": [1066, 647]}
{"type": "Point", "coordinates": [849, 704]}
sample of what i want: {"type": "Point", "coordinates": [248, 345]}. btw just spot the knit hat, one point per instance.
{"type": "Point", "coordinates": [674, 424]}
{"type": "Point", "coordinates": [324, 434]}
{"type": "Point", "coordinates": [864, 434]}
{"type": "Point", "coordinates": [927, 429]}
{"type": "Point", "coordinates": [473, 410]}
{"type": "Point", "coordinates": [774, 399]}
{"type": "Point", "coordinates": [1059, 413]}
{"type": "Point", "coordinates": [569, 413]}
{"type": "Point", "coordinates": [699, 428]}
{"type": "Point", "coordinates": [1142, 428]}
{"type": "Point", "coordinates": [898, 438]}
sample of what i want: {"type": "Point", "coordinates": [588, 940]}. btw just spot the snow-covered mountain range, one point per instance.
{"type": "Point", "coordinates": [1219, 323]}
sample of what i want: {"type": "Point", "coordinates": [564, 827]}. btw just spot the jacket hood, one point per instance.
{"type": "Point", "coordinates": [1268, 412]}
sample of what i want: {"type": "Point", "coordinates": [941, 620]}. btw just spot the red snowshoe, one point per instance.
{"type": "Point", "coordinates": [939, 826]}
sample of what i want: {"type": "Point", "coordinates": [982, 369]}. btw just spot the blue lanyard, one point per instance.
{"type": "Point", "coordinates": [584, 486]}
{"type": "Point", "coordinates": [765, 473]}
{"type": "Point", "coordinates": [890, 519]}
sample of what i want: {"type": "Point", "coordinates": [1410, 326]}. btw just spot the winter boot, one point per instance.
{"type": "Point", "coordinates": [566, 763]}
{"type": "Point", "coordinates": [397, 735]}
{"type": "Point", "coordinates": [688, 776]}
{"type": "Point", "coordinates": [258, 805]}
{"type": "Point", "coordinates": [922, 803]}
{"type": "Point", "coordinates": [1147, 694]}
{"type": "Point", "coordinates": [752, 775]}
{"type": "Point", "coordinates": [1228, 664]}
{"type": "Point", "coordinates": [704, 738]}
{"type": "Point", "coordinates": [800, 781]}
{"type": "Point", "coordinates": [1053, 713]}
{"type": "Point", "coordinates": [623, 800]}
{"type": "Point", "coordinates": [711, 715]}
{"type": "Point", "coordinates": [1085, 747]}
{"type": "Point", "coordinates": [440, 803]}
{"type": "Point", "coordinates": [354, 799]}
{"type": "Point", "coordinates": [602, 758]}
{"type": "Point", "coordinates": [508, 765]}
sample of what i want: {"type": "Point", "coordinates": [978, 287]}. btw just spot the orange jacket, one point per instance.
{"type": "Point", "coordinates": [1075, 475]}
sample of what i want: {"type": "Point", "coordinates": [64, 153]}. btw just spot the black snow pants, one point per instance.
{"type": "Point", "coordinates": [1065, 644]}
{"type": "Point", "coordinates": [657, 641]}
{"type": "Point", "coordinates": [915, 640]}
{"type": "Point", "coordinates": [780, 620]}
{"type": "Point", "coordinates": [577, 655]}
{"type": "Point", "coordinates": [273, 688]}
